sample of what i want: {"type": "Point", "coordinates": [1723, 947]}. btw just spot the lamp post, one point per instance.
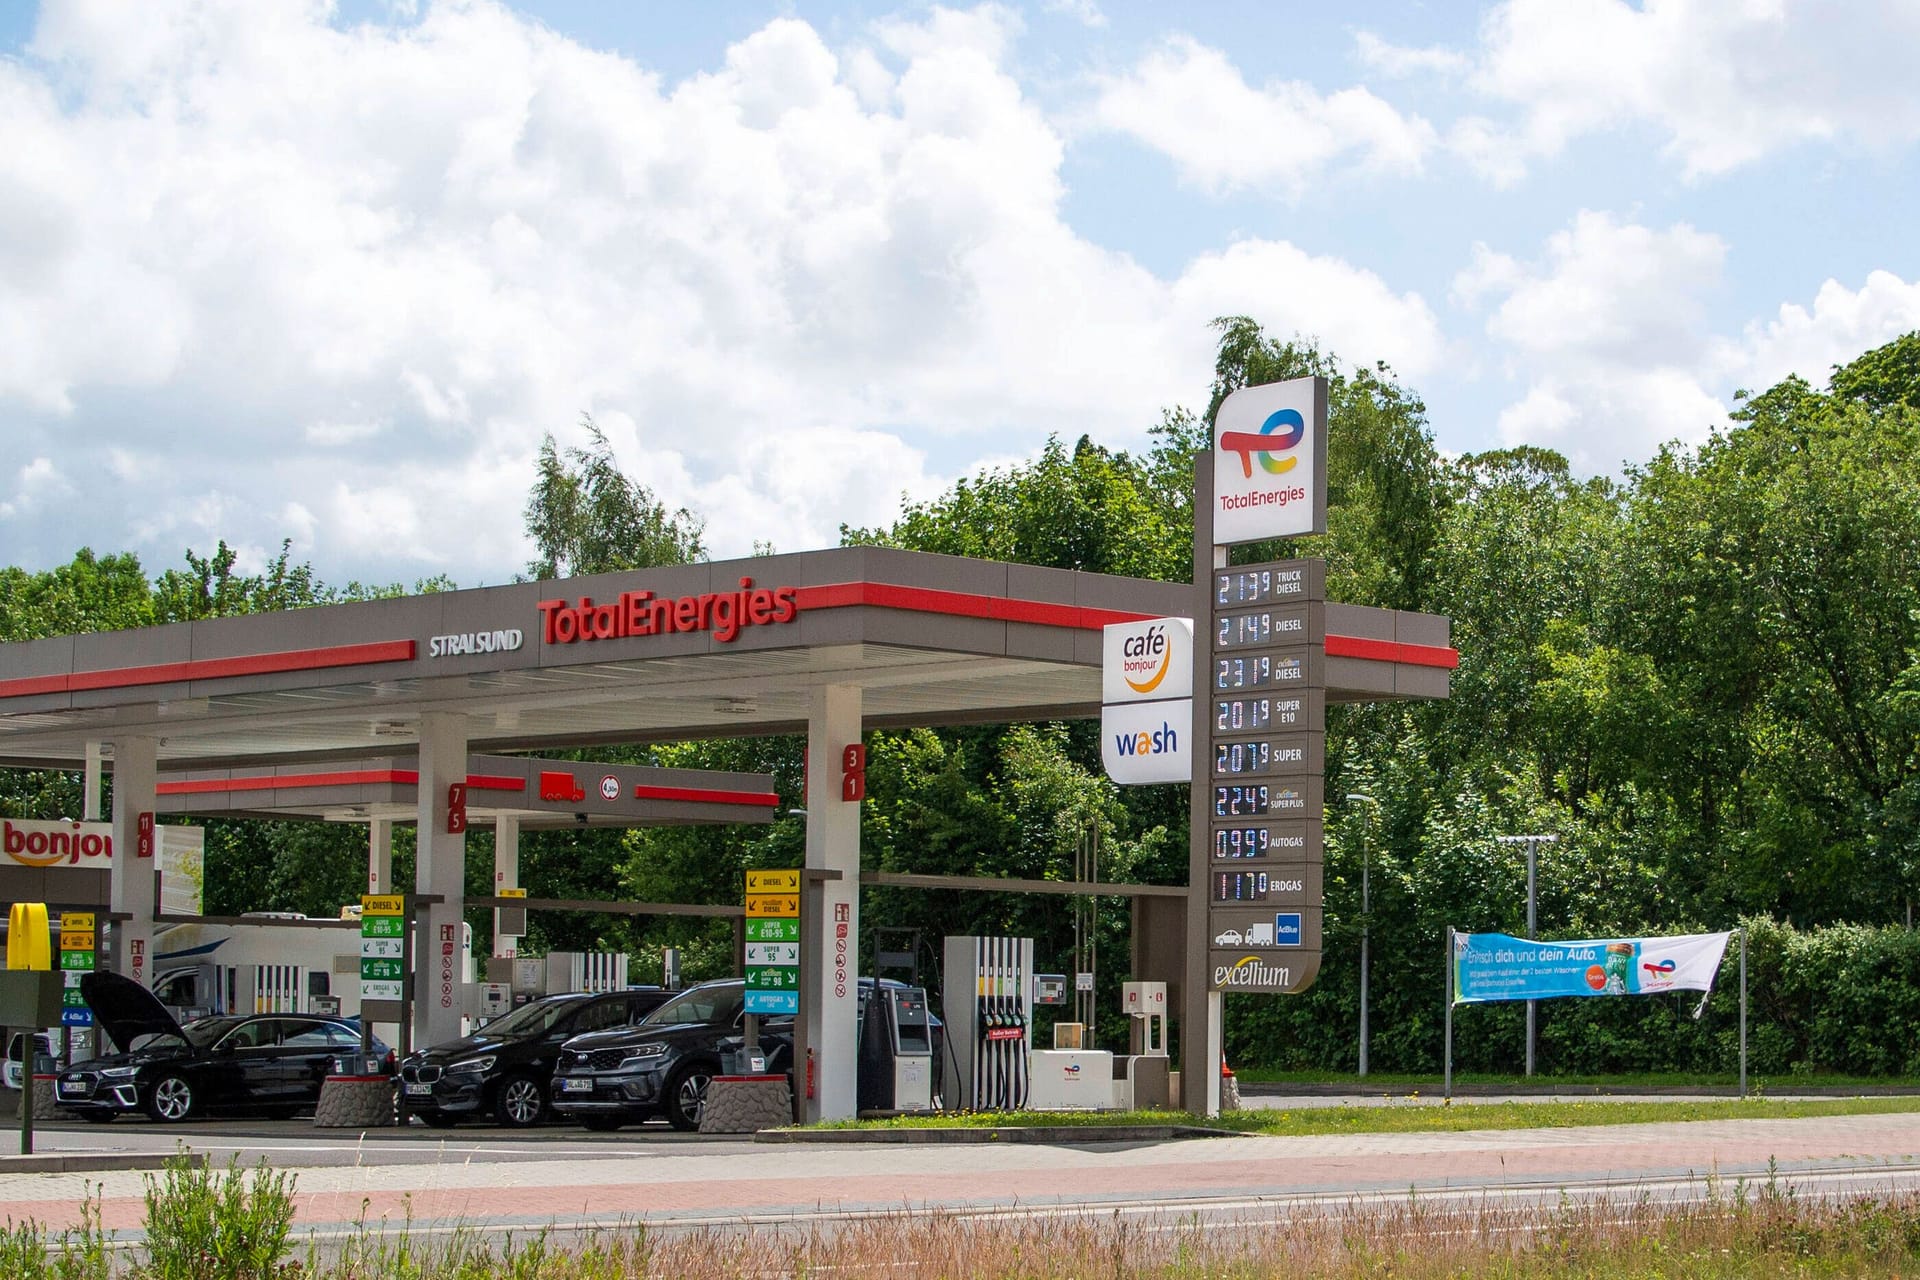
{"type": "Point", "coordinates": [1366, 916]}
{"type": "Point", "coordinates": [1533, 842]}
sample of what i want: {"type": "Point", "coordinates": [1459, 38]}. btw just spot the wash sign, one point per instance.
{"type": "Point", "coordinates": [1146, 713]}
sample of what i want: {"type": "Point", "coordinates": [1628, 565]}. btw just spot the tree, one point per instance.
{"type": "Point", "coordinates": [1384, 491]}
{"type": "Point", "coordinates": [585, 515]}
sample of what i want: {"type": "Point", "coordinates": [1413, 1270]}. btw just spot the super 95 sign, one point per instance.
{"type": "Point", "coordinates": [1270, 462]}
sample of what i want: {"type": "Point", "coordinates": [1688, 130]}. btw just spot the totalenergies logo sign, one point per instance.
{"type": "Point", "coordinates": [55, 844]}
{"type": "Point", "coordinates": [1269, 462]}
{"type": "Point", "coordinates": [641, 613]}
{"type": "Point", "coordinates": [1147, 661]}
{"type": "Point", "coordinates": [1272, 444]}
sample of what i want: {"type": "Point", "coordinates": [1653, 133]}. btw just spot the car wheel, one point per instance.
{"type": "Point", "coordinates": [686, 1095]}
{"type": "Point", "coordinates": [519, 1102]}
{"type": "Point", "coordinates": [97, 1117]}
{"type": "Point", "coordinates": [602, 1124]}
{"type": "Point", "coordinates": [172, 1099]}
{"type": "Point", "coordinates": [438, 1119]}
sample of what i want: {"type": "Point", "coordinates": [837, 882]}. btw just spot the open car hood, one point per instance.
{"type": "Point", "coordinates": [126, 1010]}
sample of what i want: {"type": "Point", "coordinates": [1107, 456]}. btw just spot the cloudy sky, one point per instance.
{"type": "Point", "coordinates": [329, 272]}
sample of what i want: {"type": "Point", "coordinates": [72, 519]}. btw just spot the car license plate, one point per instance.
{"type": "Point", "coordinates": [415, 1088]}
{"type": "Point", "coordinates": [576, 1084]}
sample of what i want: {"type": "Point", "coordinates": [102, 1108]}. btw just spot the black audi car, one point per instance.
{"type": "Point", "coordinates": [261, 1064]}
{"type": "Point", "coordinates": [503, 1069]}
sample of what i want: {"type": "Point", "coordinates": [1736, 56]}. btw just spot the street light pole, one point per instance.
{"type": "Point", "coordinates": [1366, 917]}
{"type": "Point", "coordinates": [1533, 929]}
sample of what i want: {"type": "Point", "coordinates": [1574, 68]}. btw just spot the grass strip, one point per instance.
{"type": "Point", "coordinates": [1410, 1118]}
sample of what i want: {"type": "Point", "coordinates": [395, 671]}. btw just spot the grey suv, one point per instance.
{"type": "Point", "coordinates": [661, 1066]}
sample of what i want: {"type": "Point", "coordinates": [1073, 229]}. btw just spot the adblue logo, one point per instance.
{"type": "Point", "coordinates": [1283, 429]}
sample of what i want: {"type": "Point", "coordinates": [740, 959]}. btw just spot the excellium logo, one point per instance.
{"type": "Point", "coordinates": [1283, 429]}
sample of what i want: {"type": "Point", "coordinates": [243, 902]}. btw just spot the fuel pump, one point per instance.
{"type": "Point", "coordinates": [896, 1051]}
{"type": "Point", "coordinates": [987, 1003]}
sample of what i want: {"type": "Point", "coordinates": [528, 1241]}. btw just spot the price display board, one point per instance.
{"type": "Point", "coordinates": [1267, 751]}
{"type": "Point", "coordinates": [383, 945]}
{"type": "Point", "coordinates": [773, 942]}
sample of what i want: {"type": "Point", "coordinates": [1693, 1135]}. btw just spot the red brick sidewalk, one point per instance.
{"type": "Point", "coordinates": [803, 1178]}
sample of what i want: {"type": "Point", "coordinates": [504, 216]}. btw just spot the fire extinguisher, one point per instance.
{"type": "Point", "coordinates": [809, 1072]}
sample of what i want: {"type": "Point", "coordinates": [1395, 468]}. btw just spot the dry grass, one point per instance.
{"type": "Point", "coordinates": [1764, 1235]}
{"type": "Point", "coordinates": [1764, 1231]}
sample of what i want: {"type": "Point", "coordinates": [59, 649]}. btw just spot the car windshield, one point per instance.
{"type": "Point", "coordinates": [532, 1019]}
{"type": "Point", "coordinates": [701, 1004]}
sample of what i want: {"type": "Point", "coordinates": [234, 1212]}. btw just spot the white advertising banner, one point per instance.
{"type": "Point", "coordinates": [1270, 462]}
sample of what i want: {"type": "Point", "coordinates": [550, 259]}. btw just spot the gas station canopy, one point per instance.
{"type": "Point", "coordinates": [373, 711]}
{"type": "Point", "coordinates": [725, 649]}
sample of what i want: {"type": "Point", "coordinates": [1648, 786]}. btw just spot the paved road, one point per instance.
{"type": "Point", "coordinates": [576, 1182]}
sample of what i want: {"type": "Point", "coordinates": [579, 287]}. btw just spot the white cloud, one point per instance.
{"type": "Point", "coordinates": [1607, 330]}
{"type": "Point", "coordinates": [1403, 60]}
{"type": "Point", "coordinates": [1189, 102]}
{"type": "Point", "coordinates": [1723, 82]}
{"type": "Point", "coordinates": [1608, 293]}
{"type": "Point", "coordinates": [1085, 12]}
{"type": "Point", "coordinates": [1810, 341]}
{"type": "Point", "coordinates": [282, 278]}
{"type": "Point", "coordinates": [1606, 337]}
{"type": "Point", "coordinates": [35, 484]}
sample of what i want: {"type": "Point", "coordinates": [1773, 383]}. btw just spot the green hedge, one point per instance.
{"type": "Point", "coordinates": [1842, 999]}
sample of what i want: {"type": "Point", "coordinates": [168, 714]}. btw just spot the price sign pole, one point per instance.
{"type": "Point", "coordinates": [1254, 902]}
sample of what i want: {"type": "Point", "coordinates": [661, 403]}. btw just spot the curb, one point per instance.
{"type": "Point", "coordinates": [74, 1163]}
{"type": "Point", "coordinates": [1060, 1135]}
{"type": "Point", "coordinates": [1549, 1089]}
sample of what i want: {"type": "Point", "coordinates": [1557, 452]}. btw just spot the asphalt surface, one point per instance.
{"type": "Point", "coordinates": [432, 1181]}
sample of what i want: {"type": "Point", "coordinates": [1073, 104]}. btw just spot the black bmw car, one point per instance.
{"type": "Point", "coordinates": [503, 1069]}
{"type": "Point", "coordinates": [261, 1064]}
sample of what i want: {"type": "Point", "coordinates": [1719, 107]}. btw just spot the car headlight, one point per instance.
{"type": "Point", "coordinates": [472, 1066]}
{"type": "Point", "coordinates": [118, 1073]}
{"type": "Point", "coordinates": [643, 1055]}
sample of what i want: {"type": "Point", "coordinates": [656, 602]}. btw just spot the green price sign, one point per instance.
{"type": "Point", "coordinates": [773, 977]}
{"type": "Point", "coordinates": [773, 929]}
{"type": "Point", "coordinates": [376, 970]}
{"type": "Point", "coordinates": [76, 959]}
{"type": "Point", "coordinates": [383, 927]}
